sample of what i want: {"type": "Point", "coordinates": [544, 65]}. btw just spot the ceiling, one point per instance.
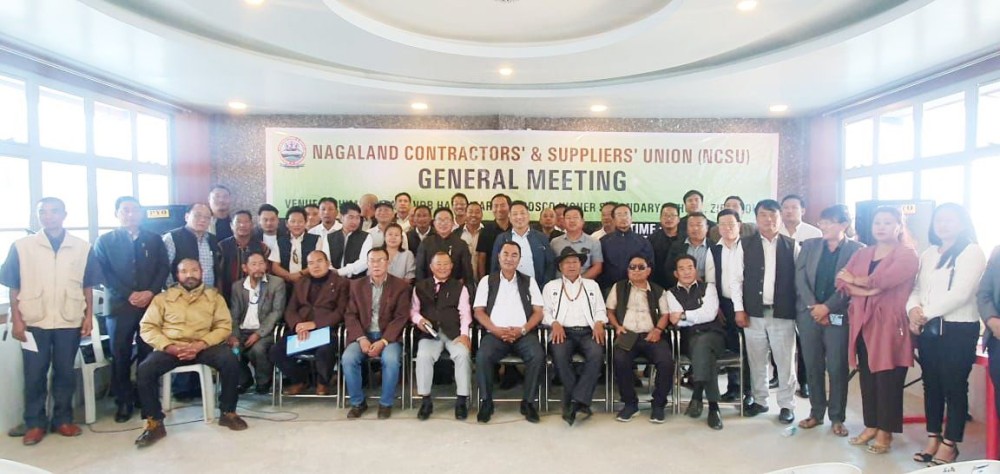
{"type": "Point", "coordinates": [640, 58]}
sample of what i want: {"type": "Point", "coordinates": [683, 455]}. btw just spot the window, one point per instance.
{"type": "Point", "coordinates": [61, 122]}
{"type": "Point", "coordinates": [895, 136]}
{"type": "Point", "coordinates": [895, 186]}
{"type": "Point", "coordinates": [988, 122]}
{"type": "Point", "coordinates": [857, 190]}
{"type": "Point", "coordinates": [13, 111]}
{"type": "Point", "coordinates": [69, 183]}
{"type": "Point", "coordinates": [983, 201]}
{"type": "Point", "coordinates": [943, 185]}
{"type": "Point", "coordinates": [943, 130]}
{"type": "Point", "coordinates": [110, 186]}
{"type": "Point", "coordinates": [112, 131]}
{"type": "Point", "coordinates": [858, 143]}
{"type": "Point", "coordinates": [153, 190]}
{"type": "Point", "coordinates": [15, 195]}
{"type": "Point", "coordinates": [152, 139]}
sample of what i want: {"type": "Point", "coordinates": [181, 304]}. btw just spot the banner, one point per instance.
{"type": "Point", "coordinates": [643, 170]}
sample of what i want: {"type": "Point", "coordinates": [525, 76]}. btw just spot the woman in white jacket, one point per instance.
{"type": "Point", "coordinates": [943, 312]}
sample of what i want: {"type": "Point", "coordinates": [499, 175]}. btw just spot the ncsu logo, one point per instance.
{"type": "Point", "coordinates": [293, 152]}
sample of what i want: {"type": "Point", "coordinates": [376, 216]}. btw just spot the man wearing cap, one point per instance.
{"type": "Point", "coordinates": [574, 310]}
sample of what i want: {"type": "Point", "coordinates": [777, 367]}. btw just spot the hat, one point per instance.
{"type": "Point", "coordinates": [383, 204]}
{"type": "Point", "coordinates": [571, 252]}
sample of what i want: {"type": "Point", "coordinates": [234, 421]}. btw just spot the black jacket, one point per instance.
{"type": "Point", "coordinates": [784, 277]}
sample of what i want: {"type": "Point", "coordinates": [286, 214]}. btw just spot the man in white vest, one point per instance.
{"type": "Point", "coordinates": [51, 276]}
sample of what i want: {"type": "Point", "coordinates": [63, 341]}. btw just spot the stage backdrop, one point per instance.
{"type": "Point", "coordinates": [543, 168]}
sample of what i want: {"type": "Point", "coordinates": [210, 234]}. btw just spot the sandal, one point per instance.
{"type": "Point", "coordinates": [810, 423]}
{"type": "Point", "coordinates": [925, 457]}
{"type": "Point", "coordinates": [876, 448]}
{"type": "Point", "coordinates": [860, 440]}
{"type": "Point", "coordinates": [936, 461]}
{"type": "Point", "coordinates": [839, 429]}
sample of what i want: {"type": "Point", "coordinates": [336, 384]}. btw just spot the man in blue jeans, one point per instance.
{"type": "Point", "coordinates": [377, 312]}
{"type": "Point", "coordinates": [51, 276]}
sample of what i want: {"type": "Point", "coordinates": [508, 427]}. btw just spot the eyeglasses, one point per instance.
{"type": "Point", "coordinates": [637, 268]}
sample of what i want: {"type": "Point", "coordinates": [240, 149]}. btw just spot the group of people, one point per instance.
{"type": "Point", "coordinates": [810, 301]}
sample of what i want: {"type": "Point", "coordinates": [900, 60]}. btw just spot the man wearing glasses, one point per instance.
{"type": "Point", "coordinates": [637, 309]}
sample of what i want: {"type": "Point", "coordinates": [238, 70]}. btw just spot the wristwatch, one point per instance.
{"type": "Point", "coordinates": [524, 330]}
{"type": "Point", "coordinates": [684, 316]}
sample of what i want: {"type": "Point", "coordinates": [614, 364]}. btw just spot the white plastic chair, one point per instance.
{"type": "Point", "coordinates": [820, 468]}
{"type": "Point", "coordinates": [207, 388]}
{"type": "Point", "coordinates": [965, 467]}
{"type": "Point", "coordinates": [89, 370]}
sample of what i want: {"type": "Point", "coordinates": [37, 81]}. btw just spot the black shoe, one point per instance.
{"type": "Point", "coordinates": [530, 412]}
{"type": "Point", "coordinates": [730, 396]}
{"type": "Point", "coordinates": [585, 409]}
{"type": "Point", "coordinates": [658, 415]}
{"type": "Point", "coordinates": [485, 411]}
{"type": "Point", "coordinates": [755, 409]}
{"type": "Point", "coordinates": [786, 416]}
{"type": "Point", "coordinates": [154, 432]}
{"type": "Point", "coordinates": [773, 383]}
{"type": "Point", "coordinates": [357, 411]}
{"type": "Point", "coordinates": [426, 408]}
{"type": "Point", "coordinates": [694, 409]}
{"type": "Point", "coordinates": [803, 391]}
{"type": "Point", "coordinates": [124, 413]}
{"type": "Point", "coordinates": [384, 412]}
{"type": "Point", "coordinates": [714, 419]}
{"type": "Point", "coordinates": [461, 410]}
{"type": "Point", "coordinates": [263, 389]}
{"type": "Point", "coordinates": [569, 414]}
{"type": "Point", "coordinates": [627, 413]}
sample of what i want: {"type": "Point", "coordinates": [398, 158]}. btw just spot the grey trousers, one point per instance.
{"type": "Point", "coordinates": [429, 351]}
{"type": "Point", "coordinates": [824, 350]}
{"type": "Point", "coordinates": [777, 335]}
{"type": "Point", "coordinates": [706, 348]}
{"type": "Point", "coordinates": [256, 355]}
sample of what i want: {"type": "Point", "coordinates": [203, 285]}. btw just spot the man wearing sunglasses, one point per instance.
{"type": "Point", "coordinates": [637, 309]}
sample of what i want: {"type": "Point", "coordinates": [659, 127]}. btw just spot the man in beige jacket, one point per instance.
{"type": "Point", "coordinates": [187, 324]}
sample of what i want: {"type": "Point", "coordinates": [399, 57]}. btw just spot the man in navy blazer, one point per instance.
{"type": "Point", "coordinates": [537, 257]}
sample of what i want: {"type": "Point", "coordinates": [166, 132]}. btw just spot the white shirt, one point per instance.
{"type": "Point", "coordinates": [271, 241]}
{"type": "Point", "coordinates": [296, 258]}
{"type": "Point", "coordinates": [770, 267]}
{"type": "Point", "coordinates": [802, 233]}
{"type": "Point", "coordinates": [527, 263]}
{"type": "Point", "coordinates": [729, 277]}
{"type": "Point", "coordinates": [600, 233]}
{"type": "Point", "coordinates": [507, 310]}
{"type": "Point", "coordinates": [637, 317]}
{"type": "Point", "coordinates": [405, 224]}
{"type": "Point", "coordinates": [361, 264]}
{"type": "Point", "coordinates": [586, 308]}
{"type": "Point", "coordinates": [708, 311]}
{"type": "Point", "coordinates": [322, 232]}
{"type": "Point", "coordinates": [941, 293]}
{"type": "Point", "coordinates": [251, 321]}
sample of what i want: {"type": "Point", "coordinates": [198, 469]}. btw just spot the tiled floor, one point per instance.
{"type": "Point", "coordinates": [312, 436]}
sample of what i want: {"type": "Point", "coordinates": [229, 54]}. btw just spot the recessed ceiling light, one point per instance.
{"type": "Point", "coordinates": [254, 3]}
{"type": "Point", "coordinates": [778, 108]}
{"type": "Point", "coordinates": [418, 106]}
{"type": "Point", "coordinates": [236, 105]}
{"type": "Point", "coordinates": [506, 71]}
{"type": "Point", "coordinates": [598, 108]}
{"type": "Point", "coordinates": [746, 5]}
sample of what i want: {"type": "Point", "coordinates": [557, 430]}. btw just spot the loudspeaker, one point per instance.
{"type": "Point", "coordinates": [916, 214]}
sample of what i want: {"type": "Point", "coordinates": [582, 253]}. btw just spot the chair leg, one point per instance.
{"type": "Point", "coordinates": [165, 397]}
{"type": "Point", "coordinates": [89, 397]}
{"type": "Point", "coordinates": [207, 393]}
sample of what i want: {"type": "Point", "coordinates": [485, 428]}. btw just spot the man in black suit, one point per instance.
{"type": "Point", "coordinates": [765, 308]}
{"type": "Point", "coordinates": [294, 248]}
{"type": "Point", "coordinates": [444, 239]}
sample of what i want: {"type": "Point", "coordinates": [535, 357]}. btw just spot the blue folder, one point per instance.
{"type": "Point", "coordinates": [317, 337]}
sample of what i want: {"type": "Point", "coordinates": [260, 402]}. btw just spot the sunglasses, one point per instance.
{"type": "Point", "coordinates": [637, 268]}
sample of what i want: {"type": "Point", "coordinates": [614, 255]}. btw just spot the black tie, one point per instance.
{"type": "Point", "coordinates": [437, 287]}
